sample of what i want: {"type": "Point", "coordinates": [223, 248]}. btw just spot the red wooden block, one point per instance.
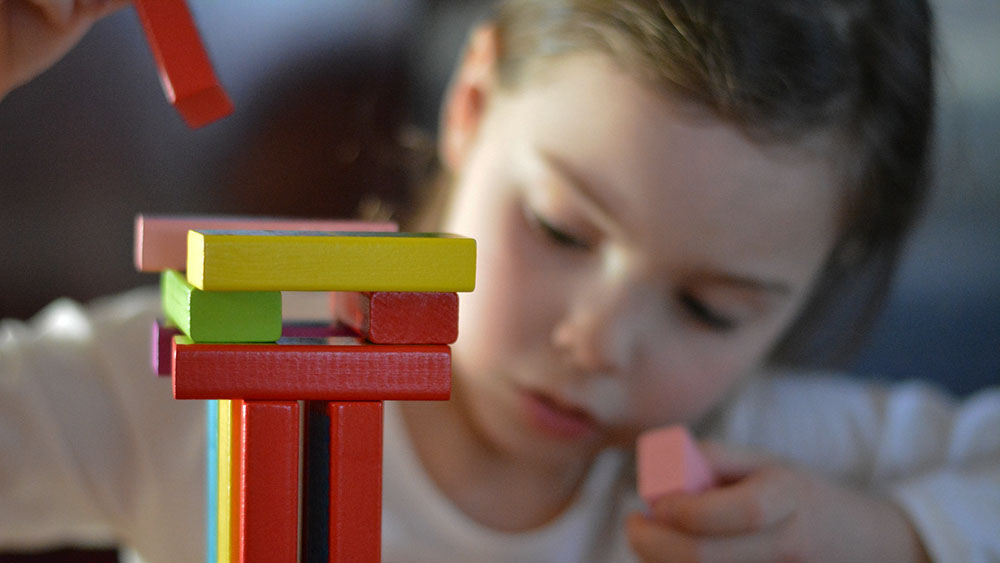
{"type": "Point", "coordinates": [355, 481]}
{"type": "Point", "coordinates": [395, 317]}
{"type": "Point", "coordinates": [322, 371]}
{"type": "Point", "coordinates": [185, 70]}
{"type": "Point", "coordinates": [162, 340]}
{"type": "Point", "coordinates": [269, 482]}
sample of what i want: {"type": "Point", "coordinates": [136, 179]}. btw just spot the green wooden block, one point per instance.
{"type": "Point", "coordinates": [220, 316]}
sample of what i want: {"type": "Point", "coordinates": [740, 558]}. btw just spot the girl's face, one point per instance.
{"type": "Point", "coordinates": [637, 258]}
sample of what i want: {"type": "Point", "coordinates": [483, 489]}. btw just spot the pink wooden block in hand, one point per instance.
{"type": "Point", "coordinates": [668, 461]}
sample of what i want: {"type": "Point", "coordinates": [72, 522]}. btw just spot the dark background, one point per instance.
{"type": "Point", "coordinates": [325, 93]}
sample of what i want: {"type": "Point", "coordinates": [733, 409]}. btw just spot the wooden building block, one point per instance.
{"type": "Point", "coordinates": [161, 343]}
{"type": "Point", "coordinates": [227, 536]}
{"type": "Point", "coordinates": [220, 316]}
{"type": "Point", "coordinates": [315, 261]}
{"type": "Point", "coordinates": [392, 317]}
{"type": "Point", "coordinates": [345, 462]}
{"type": "Point", "coordinates": [668, 461]}
{"type": "Point", "coordinates": [211, 481]}
{"type": "Point", "coordinates": [343, 371]}
{"type": "Point", "coordinates": [269, 482]}
{"type": "Point", "coordinates": [185, 70]}
{"type": "Point", "coordinates": [161, 240]}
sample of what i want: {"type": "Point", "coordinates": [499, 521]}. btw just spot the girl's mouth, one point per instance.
{"type": "Point", "coordinates": [557, 418]}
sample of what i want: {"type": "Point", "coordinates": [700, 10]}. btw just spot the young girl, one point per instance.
{"type": "Point", "coordinates": [668, 197]}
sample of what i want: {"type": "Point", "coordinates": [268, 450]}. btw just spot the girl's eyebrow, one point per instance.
{"type": "Point", "coordinates": [583, 193]}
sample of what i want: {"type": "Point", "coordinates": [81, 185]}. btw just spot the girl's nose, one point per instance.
{"type": "Point", "coordinates": [604, 329]}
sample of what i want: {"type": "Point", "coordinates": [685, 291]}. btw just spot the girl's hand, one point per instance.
{"type": "Point", "coordinates": [34, 34]}
{"type": "Point", "coordinates": [766, 511]}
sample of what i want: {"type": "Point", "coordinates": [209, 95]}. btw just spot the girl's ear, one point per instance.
{"type": "Point", "coordinates": [465, 102]}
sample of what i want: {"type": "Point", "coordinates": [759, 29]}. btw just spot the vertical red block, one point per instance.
{"type": "Point", "coordinates": [399, 317]}
{"type": "Point", "coordinates": [355, 532]}
{"type": "Point", "coordinates": [269, 482]}
{"type": "Point", "coordinates": [185, 70]}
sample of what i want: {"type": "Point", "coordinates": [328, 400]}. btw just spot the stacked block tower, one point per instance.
{"type": "Point", "coordinates": [294, 416]}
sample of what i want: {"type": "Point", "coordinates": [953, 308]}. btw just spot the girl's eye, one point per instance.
{"type": "Point", "coordinates": [555, 234]}
{"type": "Point", "coordinates": [705, 314]}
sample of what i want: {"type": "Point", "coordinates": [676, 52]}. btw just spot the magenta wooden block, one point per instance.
{"type": "Point", "coordinates": [668, 460]}
{"type": "Point", "coordinates": [162, 344]}
{"type": "Point", "coordinates": [161, 241]}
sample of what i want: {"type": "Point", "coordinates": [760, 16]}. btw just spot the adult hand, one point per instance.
{"type": "Point", "coordinates": [764, 510]}
{"type": "Point", "coordinates": [34, 34]}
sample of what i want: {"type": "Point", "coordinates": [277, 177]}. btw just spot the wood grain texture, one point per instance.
{"type": "Point", "coordinates": [161, 240]}
{"type": "Point", "coordinates": [355, 529]}
{"type": "Point", "coordinates": [269, 482]}
{"type": "Point", "coordinates": [391, 317]}
{"type": "Point", "coordinates": [314, 261]}
{"type": "Point", "coordinates": [220, 316]}
{"type": "Point", "coordinates": [185, 70]}
{"type": "Point", "coordinates": [161, 341]}
{"type": "Point", "coordinates": [330, 372]}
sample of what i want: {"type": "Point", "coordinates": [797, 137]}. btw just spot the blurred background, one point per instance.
{"type": "Point", "coordinates": [330, 95]}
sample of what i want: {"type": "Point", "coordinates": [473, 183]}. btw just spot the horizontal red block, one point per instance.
{"type": "Point", "coordinates": [322, 371]}
{"type": "Point", "coordinates": [395, 317]}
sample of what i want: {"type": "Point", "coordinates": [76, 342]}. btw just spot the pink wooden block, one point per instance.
{"type": "Point", "coordinates": [161, 241]}
{"type": "Point", "coordinates": [668, 461]}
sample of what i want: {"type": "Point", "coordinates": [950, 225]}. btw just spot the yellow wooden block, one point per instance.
{"type": "Point", "coordinates": [320, 261]}
{"type": "Point", "coordinates": [228, 461]}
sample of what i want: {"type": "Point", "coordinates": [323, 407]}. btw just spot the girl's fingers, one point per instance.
{"type": "Point", "coordinates": [758, 502]}
{"type": "Point", "coordinates": [58, 12]}
{"type": "Point", "coordinates": [654, 542]}
{"type": "Point", "coordinates": [729, 463]}
{"type": "Point", "coordinates": [62, 13]}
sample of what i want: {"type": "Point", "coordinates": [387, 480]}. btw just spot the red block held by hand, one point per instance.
{"type": "Point", "coordinates": [185, 70]}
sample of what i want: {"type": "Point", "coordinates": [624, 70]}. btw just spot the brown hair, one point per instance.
{"type": "Point", "coordinates": [779, 69]}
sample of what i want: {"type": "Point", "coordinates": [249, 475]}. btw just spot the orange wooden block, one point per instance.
{"type": "Point", "coordinates": [269, 482]}
{"type": "Point", "coordinates": [396, 317]}
{"type": "Point", "coordinates": [338, 369]}
{"type": "Point", "coordinates": [185, 70]}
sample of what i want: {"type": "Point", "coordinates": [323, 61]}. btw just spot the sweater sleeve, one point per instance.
{"type": "Point", "coordinates": [937, 457]}
{"type": "Point", "coordinates": [93, 448]}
